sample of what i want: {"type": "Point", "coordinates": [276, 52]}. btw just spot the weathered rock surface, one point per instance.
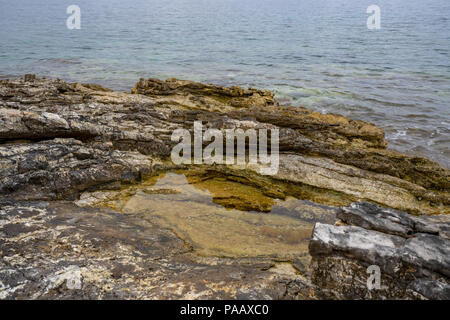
{"type": "Point", "coordinates": [58, 250]}
{"type": "Point", "coordinates": [60, 168]}
{"type": "Point", "coordinates": [413, 257]}
{"type": "Point", "coordinates": [60, 140]}
{"type": "Point", "coordinates": [204, 95]}
{"type": "Point", "coordinates": [391, 221]}
{"type": "Point", "coordinates": [328, 152]}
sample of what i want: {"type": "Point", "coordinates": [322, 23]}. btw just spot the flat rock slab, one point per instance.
{"type": "Point", "coordinates": [58, 250]}
{"type": "Point", "coordinates": [416, 264]}
{"type": "Point", "coordinates": [369, 246]}
{"type": "Point", "coordinates": [428, 252]}
{"type": "Point", "coordinates": [372, 217]}
{"type": "Point", "coordinates": [387, 251]}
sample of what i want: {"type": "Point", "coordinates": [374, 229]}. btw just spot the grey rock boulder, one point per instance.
{"type": "Point", "coordinates": [413, 257]}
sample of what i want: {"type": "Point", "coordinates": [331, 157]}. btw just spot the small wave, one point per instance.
{"type": "Point", "coordinates": [60, 61]}
{"type": "Point", "coordinates": [397, 135]}
{"type": "Point", "coordinates": [391, 104]}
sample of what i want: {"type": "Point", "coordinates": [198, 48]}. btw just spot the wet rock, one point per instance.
{"type": "Point", "coordinates": [193, 206]}
{"type": "Point", "coordinates": [85, 143]}
{"type": "Point", "coordinates": [205, 94]}
{"type": "Point", "coordinates": [321, 152]}
{"type": "Point", "coordinates": [29, 77]}
{"type": "Point", "coordinates": [68, 252]}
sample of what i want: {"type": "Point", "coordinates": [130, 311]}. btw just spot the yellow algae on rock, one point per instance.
{"type": "Point", "coordinates": [220, 217]}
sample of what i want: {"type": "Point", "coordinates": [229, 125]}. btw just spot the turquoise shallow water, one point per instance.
{"type": "Point", "coordinates": [319, 54]}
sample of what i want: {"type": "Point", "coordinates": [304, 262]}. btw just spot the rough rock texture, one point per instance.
{"type": "Point", "coordinates": [60, 140]}
{"type": "Point", "coordinates": [59, 250]}
{"type": "Point", "coordinates": [413, 254]}
{"type": "Point", "coordinates": [387, 220]}
{"type": "Point", "coordinates": [204, 95]}
{"type": "Point", "coordinates": [59, 168]}
{"type": "Point", "coordinates": [328, 152]}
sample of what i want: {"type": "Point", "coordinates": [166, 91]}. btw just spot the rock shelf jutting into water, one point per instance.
{"type": "Point", "coordinates": [91, 205]}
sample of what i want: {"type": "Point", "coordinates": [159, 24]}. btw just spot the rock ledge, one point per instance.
{"type": "Point", "coordinates": [412, 253]}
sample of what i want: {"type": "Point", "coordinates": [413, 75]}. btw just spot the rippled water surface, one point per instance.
{"type": "Point", "coordinates": [319, 53]}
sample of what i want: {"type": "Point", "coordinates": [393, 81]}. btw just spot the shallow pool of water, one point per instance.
{"type": "Point", "coordinates": [219, 217]}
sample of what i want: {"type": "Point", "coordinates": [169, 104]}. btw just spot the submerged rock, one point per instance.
{"type": "Point", "coordinates": [219, 217]}
{"type": "Point", "coordinates": [56, 250]}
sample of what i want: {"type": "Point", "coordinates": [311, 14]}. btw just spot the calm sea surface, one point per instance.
{"type": "Point", "coordinates": [316, 53]}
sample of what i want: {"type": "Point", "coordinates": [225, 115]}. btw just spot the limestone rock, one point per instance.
{"type": "Point", "coordinates": [60, 168]}
{"type": "Point", "coordinates": [320, 152]}
{"type": "Point", "coordinates": [413, 264]}
{"type": "Point", "coordinates": [59, 140]}
{"type": "Point", "coordinates": [387, 220]}
{"type": "Point", "coordinates": [56, 250]}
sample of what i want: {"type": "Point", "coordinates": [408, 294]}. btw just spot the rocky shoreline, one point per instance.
{"type": "Point", "coordinates": [71, 155]}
